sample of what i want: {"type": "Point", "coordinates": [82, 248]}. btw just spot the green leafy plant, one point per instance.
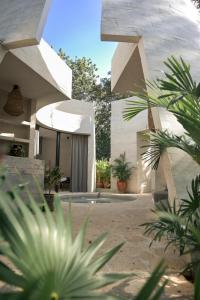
{"type": "Point", "coordinates": [174, 224]}
{"type": "Point", "coordinates": [87, 86]}
{"type": "Point", "coordinates": [52, 178]}
{"type": "Point", "coordinates": [153, 290]}
{"type": "Point", "coordinates": [50, 264]}
{"type": "Point", "coordinates": [121, 169]}
{"type": "Point", "coordinates": [107, 174]}
{"type": "Point", "coordinates": [179, 94]}
{"type": "Point", "coordinates": [103, 171]}
{"type": "Point", "coordinates": [47, 263]}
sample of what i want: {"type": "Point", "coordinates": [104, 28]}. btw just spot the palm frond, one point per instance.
{"type": "Point", "coordinates": [178, 93]}
{"type": "Point", "coordinates": [50, 264]}
{"type": "Point", "coordinates": [192, 205]}
{"type": "Point", "coordinates": [151, 290]}
{"type": "Point", "coordinates": [162, 140]}
{"type": "Point", "coordinates": [141, 102]}
{"type": "Point", "coordinates": [180, 224]}
{"type": "Point", "coordinates": [168, 226]}
{"type": "Point", "coordinates": [179, 79]}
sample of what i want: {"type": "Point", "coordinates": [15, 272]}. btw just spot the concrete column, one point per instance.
{"type": "Point", "coordinates": [57, 149]}
{"type": "Point", "coordinates": [32, 129]}
{"type": "Point", "coordinates": [91, 159]}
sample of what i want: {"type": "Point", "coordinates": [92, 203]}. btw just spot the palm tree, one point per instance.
{"type": "Point", "coordinates": [179, 94]}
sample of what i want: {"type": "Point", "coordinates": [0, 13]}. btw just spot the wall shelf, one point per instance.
{"type": "Point", "coordinates": [14, 139]}
{"type": "Point", "coordinates": [16, 123]}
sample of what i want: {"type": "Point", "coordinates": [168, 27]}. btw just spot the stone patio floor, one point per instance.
{"type": "Point", "coordinates": [122, 221]}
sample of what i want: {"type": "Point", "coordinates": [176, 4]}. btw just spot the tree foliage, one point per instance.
{"type": "Point", "coordinates": [84, 76]}
{"type": "Point", "coordinates": [197, 3]}
{"type": "Point", "coordinates": [89, 87]}
{"type": "Point", "coordinates": [104, 98]}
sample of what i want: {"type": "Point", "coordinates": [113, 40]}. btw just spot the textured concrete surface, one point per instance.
{"type": "Point", "coordinates": [22, 21]}
{"type": "Point", "coordinates": [126, 136]}
{"type": "Point", "coordinates": [167, 27]}
{"type": "Point", "coordinates": [159, 29]}
{"type": "Point", "coordinates": [122, 221]}
{"type": "Point", "coordinates": [74, 117]}
{"type": "Point", "coordinates": [44, 61]}
{"type": "Point", "coordinates": [21, 169]}
{"type": "Point", "coordinates": [125, 57]}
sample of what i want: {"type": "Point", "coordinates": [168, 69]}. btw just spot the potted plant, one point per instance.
{"type": "Point", "coordinates": [122, 171]}
{"type": "Point", "coordinates": [52, 179]}
{"type": "Point", "coordinates": [106, 174]}
{"type": "Point", "coordinates": [17, 150]}
{"type": "Point", "coordinates": [99, 172]}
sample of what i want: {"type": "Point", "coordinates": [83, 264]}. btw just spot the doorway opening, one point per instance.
{"type": "Point", "coordinates": [69, 152]}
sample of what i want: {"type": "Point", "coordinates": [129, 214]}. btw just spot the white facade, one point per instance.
{"type": "Point", "coordinates": [149, 32]}
{"type": "Point", "coordinates": [125, 137]}
{"type": "Point", "coordinates": [22, 22]}
{"type": "Point", "coordinates": [72, 117]}
{"type": "Point", "coordinates": [45, 82]}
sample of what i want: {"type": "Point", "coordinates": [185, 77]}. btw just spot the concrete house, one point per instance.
{"type": "Point", "coordinates": [148, 33]}
{"type": "Point", "coordinates": [38, 118]}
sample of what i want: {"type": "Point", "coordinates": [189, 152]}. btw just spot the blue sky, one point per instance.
{"type": "Point", "coordinates": [74, 26]}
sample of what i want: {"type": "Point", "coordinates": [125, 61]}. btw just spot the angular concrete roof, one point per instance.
{"type": "Point", "coordinates": [157, 29]}
{"type": "Point", "coordinates": [127, 69]}
{"type": "Point", "coordinates": [168, 27]}
{"type": "Point", "coordinates": [45, 62]}
{"type": "Point", "coordinates": [22, 21]}
{"type": "Point", "coordinates": [39, 71]}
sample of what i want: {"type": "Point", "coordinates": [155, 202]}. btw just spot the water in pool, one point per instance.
{"type": "Point", "coordinates": [98, 200]}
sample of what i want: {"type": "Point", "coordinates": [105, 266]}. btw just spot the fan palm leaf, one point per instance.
{"type": "Point", "coordinates": [50, 264]}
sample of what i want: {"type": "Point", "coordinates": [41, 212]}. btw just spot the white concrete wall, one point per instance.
{"type": "Point", "coordinates": [22, 21]}
{"type": "Point", "coordinates": [127, 71]}
{"type": "Point", "coordinates": [167, 27]}
{"type": "Point", "coordinates": [75, 117]}
{"type": "Point", "coordinates": [124, 138]}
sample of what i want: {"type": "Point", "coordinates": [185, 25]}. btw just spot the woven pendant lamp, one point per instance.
{"type": "Point", "coordinates": [14, 104]}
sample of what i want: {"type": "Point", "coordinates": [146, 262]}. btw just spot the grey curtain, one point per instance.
{"type": "Point", "coordinates": [79, 167]}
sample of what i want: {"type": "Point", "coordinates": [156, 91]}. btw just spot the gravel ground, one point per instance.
{"type": "Point", "coordinates": [122, 221]}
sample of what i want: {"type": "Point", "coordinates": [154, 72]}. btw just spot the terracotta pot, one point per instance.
{"type": "Point", "coordinates": [99, 185]}
{"type": "Point", "coordinates": [122, 186]}
{"type": "Point", "coordinates": [50, 201]}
